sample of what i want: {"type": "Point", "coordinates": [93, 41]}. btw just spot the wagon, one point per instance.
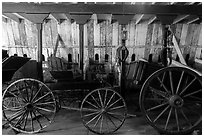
{"type": "Point", "coordinates": [30, 105]}
{"type": "Point", "coordinates": [170, 98]}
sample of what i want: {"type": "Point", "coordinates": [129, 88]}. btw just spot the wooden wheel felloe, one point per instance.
{"type": "Point", "coordinates": [171, 100]}
{"type": "Point", "coordinates": [28, 105]}
{"type": "Point", "coordinates": [103, 111]}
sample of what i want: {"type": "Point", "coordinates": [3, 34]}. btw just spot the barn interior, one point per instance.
{"type": "Point", "coordinates": [101, 68]}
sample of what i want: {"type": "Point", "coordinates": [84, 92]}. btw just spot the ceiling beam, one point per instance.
{"type": "Point", "coordinates": [101, 8]}
{"type": "Point", "coordinates": [12, 16]}
{"type": "Point", "coordinates": [81, 19]}
{"type": "Point", "coordinates": [180, 18]}
{"type": "Point", "coordinates": [152, 20]}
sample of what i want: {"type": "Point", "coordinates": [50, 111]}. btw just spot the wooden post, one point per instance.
{"type": "Point", "coordinates": [39, 49]}
{"type": "Point", "coordinates": [81, 47]}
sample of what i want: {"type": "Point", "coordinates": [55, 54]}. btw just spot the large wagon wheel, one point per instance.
{"type": "Point", "coordinates": [28, 105]}
{"type": "Point", "coordinates": [171, 100]}
{"type": "Point", "coordinates": [103, 111]}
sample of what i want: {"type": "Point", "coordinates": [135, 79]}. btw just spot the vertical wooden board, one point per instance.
{"type": "Point", "coordinates": [132, 34]}
{"type": "Point", "coordinates": [196, 34]}
{"type": "Point", "coordinates": [86, 56]}
{"type": "Point", "coordinates": [22, 33]}
{"type": "Point", "coordinates": [192, 55]}
{"type": "Point", "coordinates": [160, 35]}
{"type": "Point", "coordinates": [143, 34]}
{"type": "Point", "coordinates": [35, 35]}
{"type": "Point", "coordinates": [90, 33]}
{"type": "Point", "coordinates": [136, 34]}
{"type": "Point", "coordinates": [109, 52]}
{"type": "Point", "coordinates": [109, 33]}
{"type": "Point", "coordinates": [96, 33]}
{"type": "Point", "coordinates": [114, 55]}
{"type": "Point", "coordinates": [119, 35]}
{"type": "Point", "coordinates": [47, 34]}
{"type": "Point", "coordinates": [85, 36]}
{"type": "Point", "coordinates": [189, 34]}
{"type": "Point", "coordinates": [10, 33]}
{"type": "Point", "coordinates": [15, 30]}
{"type": "Point", "coordinates": [102, 55]}
{"type": "Point", "coordinates": [130, 49]}
{"type": "Point", "coordinates": [156, 54]}
{"type": "Point", "coordinates": [128, 34]}
{"type": "Point", "coordinates": [5, 37]}
{"type": "Point", "coordinates": [76, 55]}
{"type": "Point", "coordinates": [77, 35]}
{"type": "Point", "coordinates": [62, 32]}
{"type": "Point", "coordinates": [178, 32]}
{"type": "Point", "coordinates": [141, 53]}
{"type": "Point", "coordinates": [103, 33]}
{"type": "Point", "coordinates": [148, 41]}
{"type": "Point", "coordinates": [183, 34]}
{"type": "Point", "coordinates": [200, 37]}
{"type": "Point", "coordinates": [198, 53]}
{"type": "Point", "coordinates": [73, 33]}
{"type": "Point", "coordinates": [54, 32]}
{"type": "Point", "coordinates": [29, 33]}
{"type": "Point", "coordinates": [115, 34]}
{"type": "Point", "coordinates": [155, 34]}
{"type": "Point", "coordinates": [69, 29]}
{"type": "Point", "coordinates": [139, 34]}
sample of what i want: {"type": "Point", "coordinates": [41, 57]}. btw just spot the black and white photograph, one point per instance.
{"type": "Point", "coordinates": [101, 68]}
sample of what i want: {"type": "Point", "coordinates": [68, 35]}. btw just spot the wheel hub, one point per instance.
{"type": "Point", "coordinates": [29, 107]}
{"type": "Point", "coordinates": [176, 101]}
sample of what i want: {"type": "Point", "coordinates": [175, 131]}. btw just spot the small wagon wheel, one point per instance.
{"type": "Point", "coordinates": [28, 105]}
{"type": "Point", "coordinates": [171, 100]}
{"type": "Point", "coordinates": [103, 111]}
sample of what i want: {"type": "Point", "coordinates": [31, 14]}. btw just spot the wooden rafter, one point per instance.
{"type": "Point", "coordinates": [193, 20]}
{"type": "Point", "coordinates": [138, 18]}
{"type": "Point", "coordinates": [101, 8]}
{"type": "Point", "coordinates": [180, 18]}
{"type": "Point", "coordinates": [151, 20]}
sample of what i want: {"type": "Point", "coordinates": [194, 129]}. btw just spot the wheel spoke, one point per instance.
{"type": "Point", "coordinates": [37, 119]}
{"type": "Point", "coordinates": [163, 85]}
{"type": "Point", "coordinates": [114, 116]}
{"type": "Point", "coordinates": [96, 101]}
{"type": "Point", "coordinates": [42, 115]}
{"type": "Point", "coordinates": [117, 114]}
{"type": "Point", "coordinates": [158, 106]}
{"type": "Point", "coordinates": [41, 97]}
{"type": "Point", "coordinates": [163, 78]}
{"type": "Point", "coordinates": [178, 86]}
{"type": "Point", "coordinates": [20, 119]}
{"type": "Point", "coordinates": [93, 119]}
{"type": "Point", "coordinates": [160, 114]}
{"type": "Point", "coordinates": [171, 83]}
{"type": "Point", "coordinates": [92, 104]}
{"type": "Point", "coordinates": [197, 91]}
{"type": "Point", "coordinates": [114, 103]}
{"type": "Point", "coordinates": [36, 93]}
{"type": "Point", "coordinates": [91, 114]}
{"type": "Point", "coordinates": [187, 120]}
{"type": "Point", "coordinates": [119, 107]}
{"type": "Point", "coordinates": [111, 120]}
{"type": "Point", "coordinates": [177, 120]}
{"type": "Point", "coordinates": [167, 121]}
{"type": "Point", "coordinates": [31, 121]}
{"type": "Point", "coordinates": [45, 103]}
{"type": "Point", "coordinates": [158, 92]}
{"type": "Point", "coordinates": [44, 109]}
{"type": "Point", "coordinates": [101, 126]}
{"type": "Point", "coordinates": [88, 109]}
{"type": "Point", "coordinates": [105, 98]}
{"type": "Point", "coordinates": [15, 115]}
{"type": "Point", "coordinates": [25, 121]}
{"type": "Point", "coordinates": [110, 100]}
{"type": "Point", "coordinates": [100, 99]}
{"type": "Point", "coordinates": [97, 121]}
{"type": "Point", "coordinates": [187, 86]}
{"type": "Point", "coordinates": [19, 92]}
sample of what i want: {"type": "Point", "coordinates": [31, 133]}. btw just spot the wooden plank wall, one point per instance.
{"type": "Point", "coordinates": [99, 38]}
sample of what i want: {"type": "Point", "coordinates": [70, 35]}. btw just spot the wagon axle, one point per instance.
{"type": "Point", "coordinates": [176, 101]}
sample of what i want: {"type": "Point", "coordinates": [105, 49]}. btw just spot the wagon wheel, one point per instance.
{"type": "Point", "coordinates": [103, 111]}
{"type": "Point", "coordinates": [171, 100]}
{"type": "Point", "coordinates": [28, 105]}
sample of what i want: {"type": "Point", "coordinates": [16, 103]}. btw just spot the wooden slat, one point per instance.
{"type": "Point", "coordinates": [180, 18]}
{"type": "Point", "coordinates": [5, 37]}
{"type": "Point", "coordinates": [148, 41]}
{"type": "Point", "coordinates": [115, 34]}
{"type": "Point", "coordinates": [22, 33]}
{"type": "Point", "coordinates": [16, 33]}
{"type": "Point", "coordinates": [10, 33]}
{"type": "Point", "coordinates": [184, 34]}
